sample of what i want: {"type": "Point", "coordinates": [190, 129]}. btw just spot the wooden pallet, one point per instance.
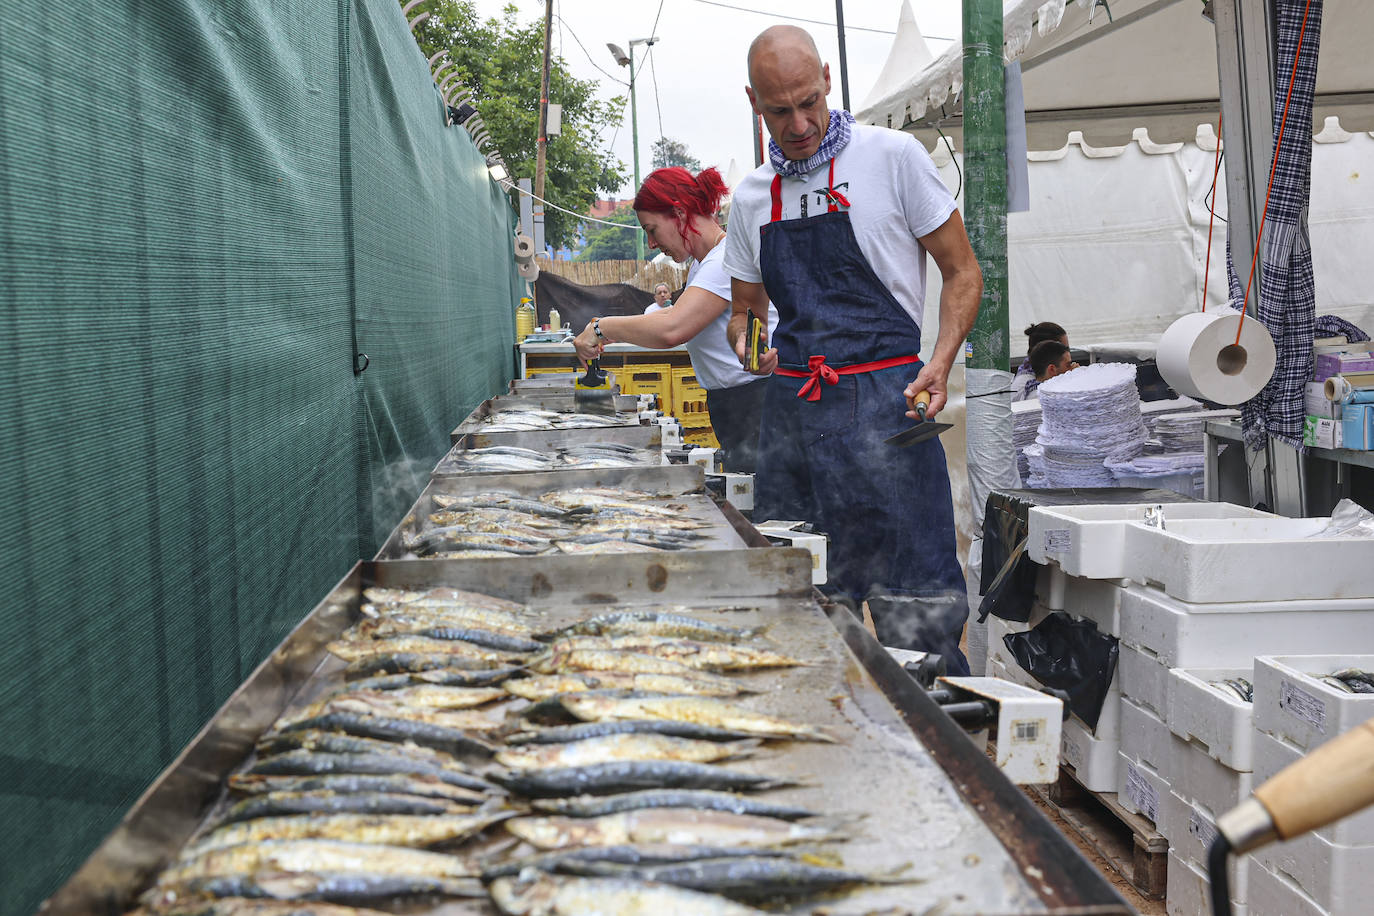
{"type": "Point", "coordinates": [1129, 842]}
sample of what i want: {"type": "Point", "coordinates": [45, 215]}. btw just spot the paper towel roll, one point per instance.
{"type": "Point", "coordinates": [524, 249]}
{"type": "Point", "coordinates": [1198, 356]}
{"type": "Point", "coordinates": [528, 270]}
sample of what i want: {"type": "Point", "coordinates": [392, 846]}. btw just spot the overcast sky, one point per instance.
{"type": "Point", "coordinates": [694, 83]}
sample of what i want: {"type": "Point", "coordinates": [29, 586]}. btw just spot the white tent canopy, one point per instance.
{"type": "Point", "coordinates": [1107, 69]}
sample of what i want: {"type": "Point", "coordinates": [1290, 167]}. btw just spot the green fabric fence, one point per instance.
{"type": "Point", "coordinates": [206, 208]}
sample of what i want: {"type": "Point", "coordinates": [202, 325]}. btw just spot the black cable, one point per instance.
{"type": "Point", "coordinates": [1216, 871]}
{"type": "Point", "coordinates": [847, 27]}
{"type": "Point", "coordinates": [657, 107]}
{"type": "Point", "coordinates": [953, 158]}
{"type": "Point", "coordinates": [1211, 204]}
{"type": "Point", "coordinates": [613, 77]}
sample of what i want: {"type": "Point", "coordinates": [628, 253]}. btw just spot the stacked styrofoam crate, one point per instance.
{"type": "Point", "coordinates": [1211, 770]}
{"type": "Point", "coordinates": [1091, 752]}
{"type": "Point", "coordinates": [1329, 870]}
{"type": "Point", "coordinates": [1214, 586]}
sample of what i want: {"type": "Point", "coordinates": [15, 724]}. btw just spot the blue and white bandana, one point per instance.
{"type": "Point", "coordinates": [836, 138]}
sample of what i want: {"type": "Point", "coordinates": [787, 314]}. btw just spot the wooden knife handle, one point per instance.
{"type": "Point", "coordinates": [1334, 781]}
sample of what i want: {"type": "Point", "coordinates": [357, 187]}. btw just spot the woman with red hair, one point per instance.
{"type": "Point", "coordinates": [678, 213]}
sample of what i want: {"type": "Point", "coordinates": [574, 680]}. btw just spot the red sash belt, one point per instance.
{"type": "Point", "coordinates": [820, 372]}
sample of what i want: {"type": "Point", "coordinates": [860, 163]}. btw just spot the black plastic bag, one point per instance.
{"type": "Point", "coordinates": [1071, 655]}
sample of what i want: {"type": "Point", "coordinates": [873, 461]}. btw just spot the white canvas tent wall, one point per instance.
{"type": "Point", "coordinates": [1120, 118]}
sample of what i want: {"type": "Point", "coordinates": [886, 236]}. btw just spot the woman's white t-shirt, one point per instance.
{"type": "Point", "coordinates": [713, 359]}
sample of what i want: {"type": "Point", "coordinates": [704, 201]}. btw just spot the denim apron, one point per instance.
{"type": "Point", "coordinates": [846, 350]}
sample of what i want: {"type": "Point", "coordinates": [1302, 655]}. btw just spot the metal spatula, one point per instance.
{"type": "Point", "coordinates": [925, 429]}
{"type": "Point", "coordinates": [592, 393]}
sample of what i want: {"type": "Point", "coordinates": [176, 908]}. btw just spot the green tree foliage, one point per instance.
{"type": "Point", "coordinates": [500, 61]}
{"type": "Point", "coordinates": [669, 152]}
{"type": "Point", "coordinates": [606, 243]}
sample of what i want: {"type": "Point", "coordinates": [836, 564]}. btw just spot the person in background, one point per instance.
{"type": "Point", "coordinates": [1048, 359]}
{"type": "Point", "coordinates": [1035, 335]}
{"type": "Point", "coordinates": [835, 228]}
{"type": "Point", "coordinates": [677, 210]}
{"type": "Point", "coordinates": [662, 299]}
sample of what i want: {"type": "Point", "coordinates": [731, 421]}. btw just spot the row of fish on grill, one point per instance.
{"type": "Point", "coordinates": [534, 419]}
{"type": "Point", "coordinates": [615, 765]}
{"type": "Point", "coordinates": [498, 459]}
{"type": "Point", "coordinates": [596, 520]}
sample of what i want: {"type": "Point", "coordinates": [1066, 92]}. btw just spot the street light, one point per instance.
{"type": "Point", "coordinates": [628, 60]}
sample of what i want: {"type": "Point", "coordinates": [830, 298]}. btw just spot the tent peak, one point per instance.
{"type": "Point", "coordinates": [909, 52]}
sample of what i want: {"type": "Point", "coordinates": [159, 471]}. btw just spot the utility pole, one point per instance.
{"type": "Point", "coordinates": [844, 62]}
{"type": "Point", "coordinates": [542, 157]}
{"type": "Point", "coordinates": [629, 60]}
{"type": "Point", "coordinates": [634, 138]}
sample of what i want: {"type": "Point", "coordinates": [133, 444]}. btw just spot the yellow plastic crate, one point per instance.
{"type": "Point", "coordinates": [689, 399]}
{"type": "Point", "coordinates": [532, 371]}
{"type": "Point", "coordinates": [646, 378]}
{"type": "Point", "coordinates": [705, 437]}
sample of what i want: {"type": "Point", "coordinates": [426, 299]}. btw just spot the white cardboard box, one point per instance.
{"type": "Point", "coordinates": [1322, 432]}
{"type": "Point", "coordinates": [1216, 719]}
{"type": "Point", "coordinates": [1274, 754]}
{"type": "Point", "coordinates": [1292, 702]}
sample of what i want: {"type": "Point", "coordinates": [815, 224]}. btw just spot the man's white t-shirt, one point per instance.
{"type": "Point", "coordinates": [895, 197]}
{"type": "Point", "coordinates": [714, 362]}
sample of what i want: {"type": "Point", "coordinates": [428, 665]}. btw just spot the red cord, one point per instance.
{"type": "Point", "coordinates": [1216, 170]}
{"type": "Point", "coordinates": [1272, 169]}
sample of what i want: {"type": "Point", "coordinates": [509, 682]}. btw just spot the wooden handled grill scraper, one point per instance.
{"type": "Point", "coordinates": [925, 429]}
{"type": "Point", "coordinates": [592, 393]}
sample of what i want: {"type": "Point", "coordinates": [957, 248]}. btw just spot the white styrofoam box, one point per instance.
{"type": "Point", "coordinates": [1231, 634]}
{"type": "Point", "coordinates": [1212, 717]}
{"type": "Point", "coordinates": [1202, 779]}
{"type": "Point", "coordinates": [1143, 678]}
{"type": "Point", "coordinates": [1109, 717]}
{"type": "Point", "coordinates": [1190, 830]}
{"type": "Point", "coordinates": [1145, 737]}
{"type": "Point", "coordinates": [1098, 600]}
{"type": "Point", "coordinates": [1338, 878]}
{"type": "Point", "coordinates": [1095, 761]}
{"type": "Point", "coordinates": [1274, 754]}
{"type": "Point", "coordinates": [1277, 895]}
{"type": "Point", "coordinates": [1291, 701]}
{"type": "Point", "coordinates": [1141, 790]}
{"type": "Point", "coordinates": [1091, 541]}
{"type": "Point", "coordinates": [1207, 560]}
{"type": "Point", "coordinates": [739, 491]}
{"type": "Point", "coordinates": [1187, 892]}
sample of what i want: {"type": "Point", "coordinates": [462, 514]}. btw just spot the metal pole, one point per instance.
{"type": "Point", "coordinates": [985, 165]}
{"type": "Point", "coordinates": [634, 138]}
{"type": "Point", "coordinates": [541, 157]}
{"type": "Point", "coordinates": [844, 62]}
{"type": "Point", "coordinates": [989, 451]}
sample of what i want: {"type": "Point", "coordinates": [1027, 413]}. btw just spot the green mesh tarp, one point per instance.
{"type": "Point", "coordinates": [206, 208]}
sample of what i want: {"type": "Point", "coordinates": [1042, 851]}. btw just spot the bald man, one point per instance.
{"type": "Point", "coordinates": [835, 229]}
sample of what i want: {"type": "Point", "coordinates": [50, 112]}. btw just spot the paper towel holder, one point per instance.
{"type": "Point", "coordinates": [1231, 359]}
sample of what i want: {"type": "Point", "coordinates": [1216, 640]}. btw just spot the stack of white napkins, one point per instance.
{"type": "Point", "coordinates": [1025, 423]}
{"type": "Point", "coordinates": [1086, 415]}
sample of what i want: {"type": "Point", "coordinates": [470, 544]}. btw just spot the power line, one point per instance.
{"type": "Point", "coordinates": [512, 186]}
{"type": "Point", "coordinates": [657, 107]}
{"type": "Point", "coordinates": [611, 76]}
{"type": "Point", "coordinates": [654, 30]}
{"type": "Point", "coordinates": [847, 27]}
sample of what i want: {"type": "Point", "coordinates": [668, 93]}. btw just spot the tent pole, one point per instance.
{"type": "Point", "coordinates": [985, 162]}
{"type": "Point", "coordinates": [1245, 71]}
{"type": "Point", "coordinates": [988, 443]}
